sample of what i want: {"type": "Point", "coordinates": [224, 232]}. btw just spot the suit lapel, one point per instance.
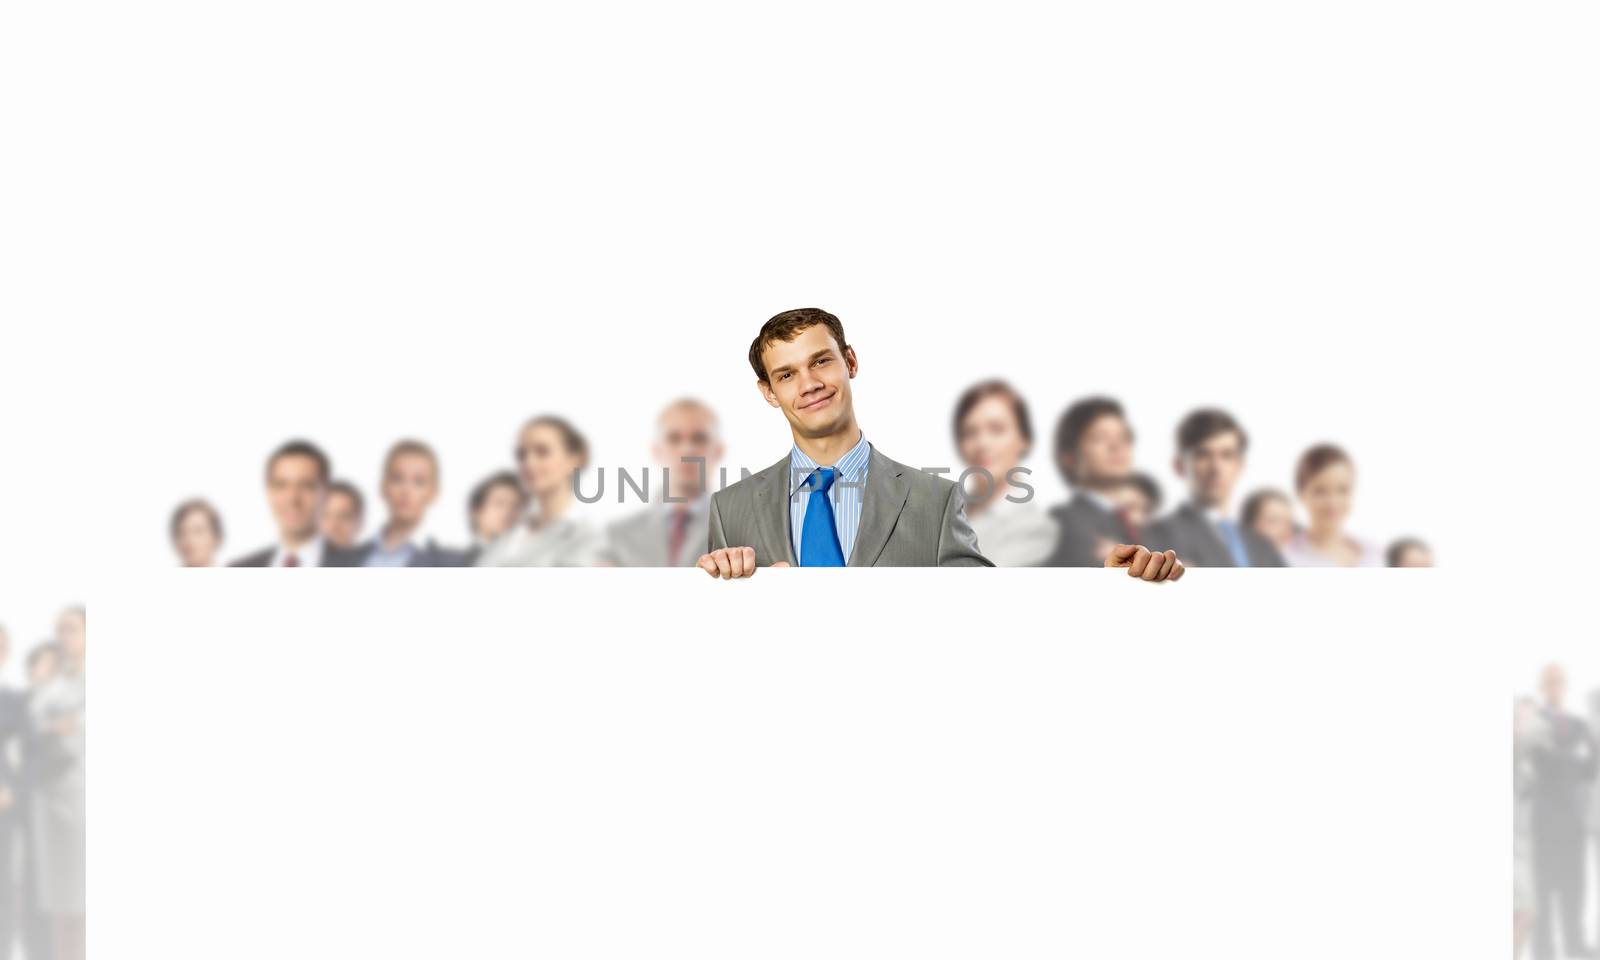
{"type": "Point", "coordinates": [772, 512]}
{"type": "Point", "coordinates": [1207, 531]}
{"type": "Point", "coordinates": [881, 503]}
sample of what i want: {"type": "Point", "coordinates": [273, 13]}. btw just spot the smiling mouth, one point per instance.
{"type": "Point", "coordinates": [816, 403]}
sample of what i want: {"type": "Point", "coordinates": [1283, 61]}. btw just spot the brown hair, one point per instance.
{"type": "Point", "coordinates": [190, 506]}
{"type": "Point", "coordinates": [570, 437]}
{"type": "Point", "coordinates": [480, 493]}
{"type": "Point", "coordinates": [302, 448]}
{"type": "Point", "coordinates": [1201, 425]}
{"type": "Point", "coordinates": [1254, 504]}
{"type": "Point", "coordinates": [404, 447]}
{"type": "Point", "coordinates": [979, 392]}
{"type": "Point", "coordinates": [788, 325]}
{"type": "Point", "coordinates": [1316, 460]}
{"type": "Point", "coordinates": [1076, 420]}
{"type": "Point", "coordinates": [345, 488]}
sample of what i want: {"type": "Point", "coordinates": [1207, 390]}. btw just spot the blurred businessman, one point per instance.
{"type": "Point", "coordinates": [344, 512]}
{"type": "Point", "coordinates": [297, 482]}
{"type": "Point", "coordinates": [1210, 459]}
{"type": "Point", "coordinates": [1563, 771]}
{"type": "Point", "coordinates": [1094, 452]}
{"type": "Point", "coordinates": [409, 485]}
{"type": "Point", "coordinates": [671, 531]}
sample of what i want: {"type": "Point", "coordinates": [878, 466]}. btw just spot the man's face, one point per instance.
{"type": "Point", "coordinates": [808, 378]}
{"type": "Point", "coordinates": [1553, 684]}
{"type": "Point", "coordinates": [341, 520]}
{"type": "Point", "coordinates": [294, 491]}
{"type": "Point", "coordinates": [1105, 451]}
{"type": "Point", "coordinates": [410, 483]}
{"type": "Point", "coordinates": [1212, 468]}
{"type": "Point", "coordinates": [686, 432]}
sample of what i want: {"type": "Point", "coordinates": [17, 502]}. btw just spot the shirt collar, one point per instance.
{"type": "Point", "coordinates": [309, 554]}
{"type": "Point", "coordinates": [851, 467]}
{"type": "Point", "coordinates": [409, 546]}
{"type": "Point", "coordinates": [1100, 500]}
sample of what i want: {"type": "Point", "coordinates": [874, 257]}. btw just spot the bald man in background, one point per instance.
{"type": "Point", "coordinates": [670, 531]}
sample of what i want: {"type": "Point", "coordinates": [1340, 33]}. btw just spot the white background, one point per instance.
{"type": "Point", "coordinates": [221, 225]}
{"type": "Point", "coordinates": [357, 222]}
{"type": "Point", "coordinates": [490, 764]}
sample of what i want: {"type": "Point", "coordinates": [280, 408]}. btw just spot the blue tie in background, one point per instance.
{"type": "Point", "coordinates": [819, 538]}
{"type": "Point", "coordinates": [1235, 542]}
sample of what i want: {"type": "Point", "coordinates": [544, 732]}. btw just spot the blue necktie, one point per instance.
{"type": "Point", "coordinates": [1235, 542]}
{"type": "Point", "coordinates": [819, 539]}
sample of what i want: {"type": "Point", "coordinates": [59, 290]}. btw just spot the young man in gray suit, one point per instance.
{"type": "Point", "coordinates": [1211, 448]}
{"type": "Point", "coordinates": [835, 500]}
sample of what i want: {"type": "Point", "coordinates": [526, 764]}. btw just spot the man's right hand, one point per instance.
{"type": "Point", "coordinates": [731, 563]}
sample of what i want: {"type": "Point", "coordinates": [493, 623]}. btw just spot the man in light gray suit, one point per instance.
{"type": "Point", "coordinates": [1211, 448]}
{"type": "Point", "coordinates": [670, 531]}
{"type": "Point", "coordinates": [835, 500]}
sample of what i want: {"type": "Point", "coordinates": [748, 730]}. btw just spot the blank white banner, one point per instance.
{"type": "Point", "coordinates": [877, 763]}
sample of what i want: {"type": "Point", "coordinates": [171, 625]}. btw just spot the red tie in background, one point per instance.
{"type": "Point", "coordinates": [680, 527]}
{"type": "Point", "coordinates": [1128, 529]}
{"type": "Point", "coordinates": [291, 561]}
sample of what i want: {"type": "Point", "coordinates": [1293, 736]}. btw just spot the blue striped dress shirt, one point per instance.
{"type": "Point", "coordinates": [848, 491]}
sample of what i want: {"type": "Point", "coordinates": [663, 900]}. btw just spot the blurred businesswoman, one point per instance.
{"type": "Point", "coordinates": [1324, 481]}
{"type": "Point", "coordinates": [1269, 513]}
{"type": "Point", "coordinates": [993, 434]}
{"type": "Point", "coordinates": [550, 452]}
{"type": "Point", "coordinates": [196, 533]}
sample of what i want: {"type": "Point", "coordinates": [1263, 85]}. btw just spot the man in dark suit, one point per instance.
{"type": "Point", "coordinates": [835, 500]}
{"type": "Point", "coordinates": [297, 483]}
{"type": "Point", "coordinates": [1094, 452]}
{"type": "Point", "coordinates": [410, 484]}
{"type": "Point", "coordinates": [1210, 458]}
{"type": "Point", "coordinates": [1562, 772]}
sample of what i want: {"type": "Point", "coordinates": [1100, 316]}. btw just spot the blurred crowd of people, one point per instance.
{"type": "Point", "coordinates": [531, 513]}
{"type": "Point", "coordinates": [1555, 820]}
{"type": "Point", "coordinates": [42, 799]}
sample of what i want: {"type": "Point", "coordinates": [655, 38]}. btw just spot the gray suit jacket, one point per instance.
{"type": "Point", "coordinates": [909, 518]}
{"type": "Point", "coordinates": [1189, 533]}
{"type": "Point", "coordinates": [641, 539]}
